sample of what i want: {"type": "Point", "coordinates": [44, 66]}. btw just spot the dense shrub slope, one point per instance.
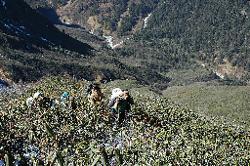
{"type": "Point", "coordinates": [157, 132]}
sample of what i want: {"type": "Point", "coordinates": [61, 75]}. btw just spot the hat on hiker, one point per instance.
{"type": "Point", "coordinates": [29, 101]}
{"type": "Point", "coordinates": [116, 92]}
{"type": "Point", "coordinates": [65, 95]}
{"type": "Point", "coordinates": [37, 94]}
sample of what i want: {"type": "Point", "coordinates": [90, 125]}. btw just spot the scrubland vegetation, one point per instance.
{"type": "Point", "coordinates": [156, 132]}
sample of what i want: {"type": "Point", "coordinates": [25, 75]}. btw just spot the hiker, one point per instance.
{"type": "Point", "coordinates": [29, 102]}
{"type": "Point", "coordinates": [32, 101]}
{"type": "Point", "coordinates": [95, 96]}
{"type": "Point", "coordinates": [73, 104]}
{"type": "Point", "coordinates": [38, 100]}
{"type": "Point", "coordinates": [64, 98]}
{"type": "Point", "coordinates": [120, 103]}
{"type": "Point", "coordinates": [54, 103]}
{"type": "Point", "coordinates": [45, 102]}
{"type": "Point", "coordinates": [42, 101]}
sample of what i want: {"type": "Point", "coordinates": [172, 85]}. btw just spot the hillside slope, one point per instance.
{"type": "Point", "coordinates": [214, 33]}
{"type": "Point", "coordinates": [230, 102]}
{"type": "Point", "coordinates": [120, 17]}
{"type": "Point", "coordinates": [24, 27]}
{"type": "Point", "coordinates": [32, 47]}
{"type": "Point", "coordinates": [168, 34]}
{"type": "Point", "coordinates": [157, 131]}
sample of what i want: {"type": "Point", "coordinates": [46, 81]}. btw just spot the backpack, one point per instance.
{"type": "Point", "coordinates": [121, 104]}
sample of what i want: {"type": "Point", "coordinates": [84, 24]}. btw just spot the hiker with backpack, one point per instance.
{"type": "Point", "coordinates": [120, 103]}
{"type": "Point", "coordinates": [95, 95]}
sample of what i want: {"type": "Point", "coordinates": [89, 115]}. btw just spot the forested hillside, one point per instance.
{"type": "Point", "coordinates": [166, 34]}
{"type": "Point", "coordinates": [117, 17]}
{"type": "Point", "coordinates": [32, 47]}
{"type": "Point", "coordinates": [212, 32]}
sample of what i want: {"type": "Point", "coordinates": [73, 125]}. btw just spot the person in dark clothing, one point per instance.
{"type": "Point", "coordinates": [128, 99]}
{"type": "Point", "coordinates": [120, 104]}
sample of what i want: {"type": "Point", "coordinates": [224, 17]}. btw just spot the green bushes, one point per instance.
{"type": "Point", "coordinates": [157, 132]}
{"type": "Point", "coordinates": [229, 102]}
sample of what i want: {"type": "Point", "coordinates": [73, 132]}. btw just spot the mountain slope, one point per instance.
{"type": "Point", "coordinates": [177, 34]}
{"type": "Point", "coordinates": [21, 23]}
{"type": "Point", "coordinates": [120, 17]}
{"type": "Point", "coordinates": [157, 131]}
{"type": "Point", "coordinates": [214, 32]}
{"type": "Point", "coordinates": [32, 47]}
